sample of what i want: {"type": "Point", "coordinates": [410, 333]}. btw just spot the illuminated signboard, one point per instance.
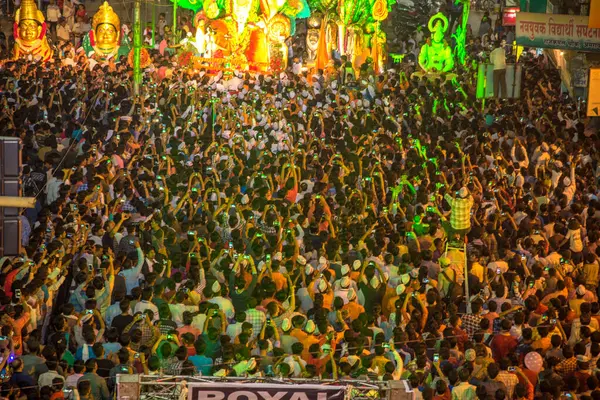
{"type": "Point", "coordinates": [509, 16]}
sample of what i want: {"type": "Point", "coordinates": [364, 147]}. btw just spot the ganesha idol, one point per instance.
{"type": "Point", "coordinates": [254, 30]}
{"type": "Point", "coordinates": [105, 40]}
{"type": "Point", "coordinates": [30, 33]}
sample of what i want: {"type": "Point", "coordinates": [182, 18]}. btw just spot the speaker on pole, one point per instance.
{"type": "Point", "coordinates": [10, 185]}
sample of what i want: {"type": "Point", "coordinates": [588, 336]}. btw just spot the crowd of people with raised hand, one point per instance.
{"type": "Point", "coordinates": [292, 226]}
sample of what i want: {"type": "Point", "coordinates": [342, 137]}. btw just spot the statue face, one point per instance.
{"type": "Point", "coordinates": [29, 30]}
{"type": "Point", "coordinates": [277, 32]}
{"type": "Point", "coordinates": [106, 35]}
{"type": "Point", "coordinates": [313, 38]}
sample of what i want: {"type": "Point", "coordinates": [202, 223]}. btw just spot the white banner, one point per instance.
{"type": "Point", "coordinates": [263, 391]}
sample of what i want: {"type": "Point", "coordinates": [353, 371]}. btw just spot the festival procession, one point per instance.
{"type": "Point", "coordinates": [299, 200]}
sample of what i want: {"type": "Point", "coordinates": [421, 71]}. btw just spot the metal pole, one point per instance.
{"type": "Point", "coordinates": [174, 17]}
{"type": "Point", "coordinates": [153, 21]}
{"type": "Point", "coordinates": [137, 47]}
{"type": "Point", "coordinates": [466, 272]}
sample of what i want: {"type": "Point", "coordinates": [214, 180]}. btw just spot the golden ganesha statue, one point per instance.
{"type": "Point", "coordinates": [105, 39]}
{"type": "Point", "coordinates": [30, 33]}
{"type": "Point", "coordinates": [253, 29]}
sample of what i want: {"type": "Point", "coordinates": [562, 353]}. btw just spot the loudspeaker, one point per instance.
{"type": "Point", "coordinates": [10, 185]}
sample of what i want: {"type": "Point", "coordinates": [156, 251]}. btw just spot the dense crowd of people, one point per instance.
{"type": "Point", "coordinates": [296, 226]}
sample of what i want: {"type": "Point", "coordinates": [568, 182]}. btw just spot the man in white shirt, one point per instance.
{"type": "Point", "coordinates": [296, 363]}
{"type": "Point", "coordinates": [80, 28]}
{"type": "Point", "coordinates": [296, 66]}
{"type": "Point", "coordinates": [498, 58]}
{"type": "Point", "coordinates": [146, 303]}
{"type": "Point", "coordinates": [132, 275]}
{"type": "Point", "coordinates": [569, 183]}
{"type": "Point", "coordinates": [53, 187]}
{"type": "Point", "coordinates": [52, 16]}
{"type": "Point", "coordinates": [46, 378]}
{"type": "Point", "coordinates": [224, 303]}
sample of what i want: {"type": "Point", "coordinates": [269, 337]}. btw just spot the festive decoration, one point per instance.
{"type": "Point", "coordinates": [185, 58]}
{"type": "Point", "coordinates": [380, 10]}
{"type": "Point", "coordinates": [460, 36]}
{"type": "Point", "coordinates": [534, 362]}
{"type": "Point", "coordinates": [312, 37]}
{"type": "Point", "coordinates": [322, 52]}
{"type": "Point", "coordinates": [145, 59]}
{"type": "Point", "coordinates": [436, 54]}
{"type": "Point", "coordinates": [106, 40]}
{"type": "Point", "coordinates": [29, 30]}
{"type": "Point", "coordinates": [257, 30]}
{"type": "Point", "coordinates": [353, 29]}
{"type": "Point", "coordinates": [193, 5]}
{"type": "Point", "coordinates": [227, 64]}
{"type": "Point", "coordinates": [323, 6]}
{"type": "Point", "coordinates": [254, 31]}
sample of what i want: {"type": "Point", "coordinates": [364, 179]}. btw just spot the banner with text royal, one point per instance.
{"type": "Point", "coordinates": [556, 31]}
{"type": "Point", "coordinates": [263, 391]}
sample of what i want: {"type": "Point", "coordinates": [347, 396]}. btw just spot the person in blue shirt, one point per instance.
{"type": "Point", "coordinates": [23, 380]}
{"type": "Point", "coordinates": [202, 363]}
{"type": "Point", "coordinates": [85, 352]}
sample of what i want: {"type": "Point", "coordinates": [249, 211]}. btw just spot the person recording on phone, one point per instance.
{"type": "Point", "coordinates": [88, 330]}
{"type": "Point", "coordinates": [460, 214]}
{"type": "Point", "coordinates": [18, 317]}
{"type": "Point", "coordinates": [132, 274]}
{"type": "Point", "coordinates": [143, 323]}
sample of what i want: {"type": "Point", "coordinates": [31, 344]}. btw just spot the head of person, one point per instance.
{"type": "Point", "coordinates": [91, 366]}
{"type": "Point", "coordinates": [84, 387]}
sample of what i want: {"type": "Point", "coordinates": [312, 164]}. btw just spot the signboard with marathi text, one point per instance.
{"type": "Point", "coordinates": [556, 31]}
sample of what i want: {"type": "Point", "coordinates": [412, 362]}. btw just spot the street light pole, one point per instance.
{"type": "Point", "coordinates": [137, 47]}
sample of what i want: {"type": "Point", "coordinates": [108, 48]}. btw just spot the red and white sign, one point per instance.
{"type": "Point", "coordinates": [509, 16]}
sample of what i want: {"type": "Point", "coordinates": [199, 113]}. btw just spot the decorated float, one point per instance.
{"type": "Point", "coordinates": [436, 55]}
{"type": "Point", "coordinates": [252, 34]}
{"type": "Point", "coordinates": [350, 27]}
{"type": "Point", "coordinates": [243, 34]}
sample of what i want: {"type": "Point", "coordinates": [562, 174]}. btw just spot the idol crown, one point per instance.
{"type": "Point", "coordinates": [29, 10]}
{"type": "Point", "coordinates": [106, 15]}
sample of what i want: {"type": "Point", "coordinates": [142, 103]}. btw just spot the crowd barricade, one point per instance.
{"type": "Point", "coordinates": [150, 387]}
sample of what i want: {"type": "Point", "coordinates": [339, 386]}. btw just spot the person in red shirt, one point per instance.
{"type": "Point", "coordinates": [188, 339]}
{"type": "Point", "coordinates": [291, 183]}
{"type": "Point", "coordinates": [460, 334]}
{"type": "Point", "coordinates": [441, 391]}
{"type": "Point", "coordinates": [583, 372]}
{"type": "Point", "coordinates": [492, 314]}
{"type": "Point", "coordinates": [17, 316]}
{"type": "Point", "coordinates": [187, 327]}
{"type": "Point", "coordinates": [316, 358]}
{"type": "Point", "coordinates": [504, 343]}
